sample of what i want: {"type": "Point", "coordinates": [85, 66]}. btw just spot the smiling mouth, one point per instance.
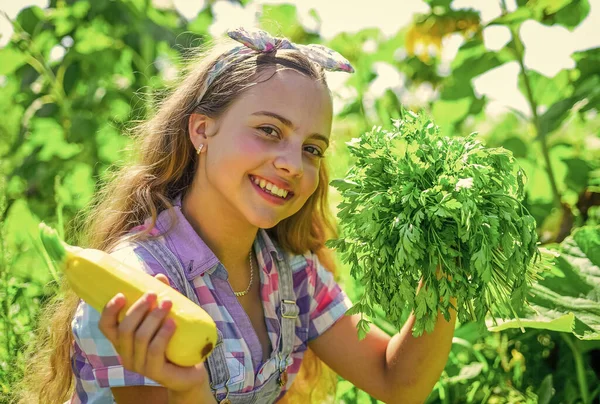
{"type": "Point", "coordinates": [268, 192]}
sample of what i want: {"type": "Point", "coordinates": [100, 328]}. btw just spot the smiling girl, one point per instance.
{"type": "Point", "coordinates": [227, 203]}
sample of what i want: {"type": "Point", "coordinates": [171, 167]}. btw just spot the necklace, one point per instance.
{"type": "Point", "coordinates": [245, 292]}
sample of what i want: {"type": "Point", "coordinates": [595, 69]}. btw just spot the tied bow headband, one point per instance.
{"type": "Point", "coordinates": [258, 41]}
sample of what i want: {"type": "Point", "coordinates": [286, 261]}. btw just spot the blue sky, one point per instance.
{"type": "Point", "coordinates": [547, 49]}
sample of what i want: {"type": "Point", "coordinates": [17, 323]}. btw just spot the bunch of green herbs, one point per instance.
{"type": "Point", "coordinates": [416, 202]}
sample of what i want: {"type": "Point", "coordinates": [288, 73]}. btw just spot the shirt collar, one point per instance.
{"type": "Point", "coordinates": [196, 256]}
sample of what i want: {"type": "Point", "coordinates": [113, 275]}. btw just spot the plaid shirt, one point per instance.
{"type": "Point", "coordinates": [321, 302]}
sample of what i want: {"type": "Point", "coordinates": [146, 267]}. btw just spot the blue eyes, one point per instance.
{"type": "Point", "coordinates": [273, 133]}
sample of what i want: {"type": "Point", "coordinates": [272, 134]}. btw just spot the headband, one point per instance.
{"type": "Point", "coordinates": [258, 41]}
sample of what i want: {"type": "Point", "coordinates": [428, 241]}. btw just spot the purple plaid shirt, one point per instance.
{"type": "Point", "coordinates": [321, 302]}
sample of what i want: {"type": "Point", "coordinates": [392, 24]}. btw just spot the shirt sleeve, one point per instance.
{"type": "Point", "coordinates": [328, 302]}
{"type": "Point", "coordinates": [95, 362]}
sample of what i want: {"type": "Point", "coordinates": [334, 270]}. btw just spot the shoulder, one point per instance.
{"type": "Point", "coordinates": [134, 254]}
{"type": "Point", "coordinates": [307, 264]}
{"type": "Point", "coordinates": [303, 266]}
{"type": "Point", "coordinates": [309, 275]}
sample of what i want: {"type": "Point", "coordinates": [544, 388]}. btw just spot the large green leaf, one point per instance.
{"type": "Point", "coordinates": [567, 299]}
{"type": "Point", "coordinates": [473, 59]}
{"type": "Point", "coordinates": [568, 13]}
{"type": "Point", "coordinates": [547, 90]}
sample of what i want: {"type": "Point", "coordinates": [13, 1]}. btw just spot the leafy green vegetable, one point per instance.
{"type": "Point", "coordinates": [416, 201]}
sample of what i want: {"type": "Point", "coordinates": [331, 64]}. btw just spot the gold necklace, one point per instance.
{"type": "Point", "coordinates": [245, 292]}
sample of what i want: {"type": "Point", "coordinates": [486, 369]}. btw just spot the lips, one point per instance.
{"type": "Point", "coordinates": [273, 186]}
{"type": "Point", "coordinates": [275, 181]}
{"type": "Point", "coordinates": [268, 196]}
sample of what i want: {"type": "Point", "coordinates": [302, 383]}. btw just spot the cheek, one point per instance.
{"type": "Point", "coordinates": [248, 144]}
{"type": "Point", "coordinates": [234, 150]}
{"type": "Point", "coordinates": [311, 179]}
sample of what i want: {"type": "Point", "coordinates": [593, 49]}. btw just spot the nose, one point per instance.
{"type": "Point", "coordinates": [290, 161]}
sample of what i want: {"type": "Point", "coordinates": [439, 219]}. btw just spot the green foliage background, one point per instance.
{"type": "Point", "coordinates": [64, 119]}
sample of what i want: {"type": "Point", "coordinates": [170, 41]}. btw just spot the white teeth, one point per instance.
{"type": "Point", "coordinates": [272, 188]}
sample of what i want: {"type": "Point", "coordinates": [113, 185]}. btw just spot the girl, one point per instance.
{"type": "Point", "coordinates": [227, 203]}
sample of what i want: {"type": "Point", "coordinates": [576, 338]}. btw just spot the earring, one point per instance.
{"type": "Point", "coordinates": [200, 149]}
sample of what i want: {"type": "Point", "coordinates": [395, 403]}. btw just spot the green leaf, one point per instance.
{"type": "Point", "coordinates": [29, 18]}
{"type": "Point", "coordinates": [516, 145]}
{"type": "Point", "coordinates": [546, 90]}
{"type": "Point", "coordinates": [516, 17]}
{"type": "Point", "coordinates": [474, 59]}
{"type": "Point", "coordinates": [453, 204]}
{"type": "Point", "coordinates": [282, 20]}
{"type": "Point", "coordinates": [568, 298]}
{"type": "Point", "coordinates": [93, 38]}
{"type": "Point", "coordinates": [556, 114]}
{"type": "Point", "coordinates": [11, 59]}
{"type": "Point", "coordinates": [578, 173]}
{"type": "Point", "coordinates": [48, 134]}
{"type": "Point", "coordinates": [446, 113]}
{"type": "Point", "coordinates": [343, 184]}
{"type": "Point", "coordinates": [563, 323]}
{"type": "Point", "coordinates": [568, 13]}
{"type": "Point", "coordinates": [546, 390]}
{"type": "Point", "coordinates": [201, 24]}
{"type": "Point", "coordinates": [363, 329]}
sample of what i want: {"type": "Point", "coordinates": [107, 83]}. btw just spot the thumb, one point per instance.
{"type": "Point", "coordinates": [163, 278]}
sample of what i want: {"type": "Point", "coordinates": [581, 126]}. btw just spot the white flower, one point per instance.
{"type": "Point", "coordinates": [464, 183]}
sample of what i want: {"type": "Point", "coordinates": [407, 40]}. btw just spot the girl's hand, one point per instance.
{"type": "Point", "coordinates": [141, 342]}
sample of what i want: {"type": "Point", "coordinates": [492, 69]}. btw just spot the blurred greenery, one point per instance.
{"type": "Point", "coordinates": [74, 75]}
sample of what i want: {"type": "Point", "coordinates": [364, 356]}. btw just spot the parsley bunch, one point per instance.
{"type": "Point", "coordinates": [415, 201]}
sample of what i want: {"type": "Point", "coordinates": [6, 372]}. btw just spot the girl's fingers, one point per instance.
{"type": "Point", "coordinates": [145, 333]}
{"type": "Point", "coordinates": [163, 278]}
{"type": "Point", "coordinates": [108, 322]}
{"type": "Point", "coordinates": [129, 325]}
{"type": "Point", "coordinates": [156, 359]}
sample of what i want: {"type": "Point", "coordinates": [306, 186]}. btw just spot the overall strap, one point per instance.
{"type": "Point", "coordinates": [289, 313]}
{"type": "Point", "coordinates": [217, 366]}
{"type": "Point", "coordinates": [171, 265]}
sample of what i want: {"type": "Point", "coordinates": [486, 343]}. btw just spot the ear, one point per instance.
{"type": "Point", "coordinates": [200, 128]}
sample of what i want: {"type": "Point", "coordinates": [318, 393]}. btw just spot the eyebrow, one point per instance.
{"type": "Point", "coordinates": [290, 125]}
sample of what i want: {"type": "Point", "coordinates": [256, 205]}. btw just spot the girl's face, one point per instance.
{"type": "Point", "coordinates": [262, 163]}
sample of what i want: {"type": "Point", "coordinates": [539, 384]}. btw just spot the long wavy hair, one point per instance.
{"type": "Point", "coordinates": [162, 164]}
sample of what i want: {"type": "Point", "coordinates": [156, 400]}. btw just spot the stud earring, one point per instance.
{"type": "Point", "coordinates": [200, 149]}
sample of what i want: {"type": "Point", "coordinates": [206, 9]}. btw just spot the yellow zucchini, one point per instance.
{"type": "Point", "coordinates": [97, 277]}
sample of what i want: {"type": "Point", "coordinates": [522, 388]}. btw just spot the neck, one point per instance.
{"type": "Point", "coordinates": [227, 236]}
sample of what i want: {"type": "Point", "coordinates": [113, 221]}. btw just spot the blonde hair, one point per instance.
{"type": "Point", "coordinates": [162, 167]}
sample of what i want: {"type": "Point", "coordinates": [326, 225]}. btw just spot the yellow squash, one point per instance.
{"type": "Point", "coordinates": [97, 277]}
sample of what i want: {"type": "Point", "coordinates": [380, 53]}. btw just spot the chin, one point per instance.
{"type": "Point", "coordinates": [264, 221]}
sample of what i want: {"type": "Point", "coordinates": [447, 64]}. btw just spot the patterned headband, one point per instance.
{"type": "Point", "coordinates": [258, 41]}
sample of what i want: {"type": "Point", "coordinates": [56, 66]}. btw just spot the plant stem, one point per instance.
{"type": "Point", "coordinates": [385, 326]}
{"type": "Point", "coordinates": [5, 305]}
{"type": "Point", "coordinates": [540, 133]}
{"type": "Point", "coordinates": [579, 367]}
